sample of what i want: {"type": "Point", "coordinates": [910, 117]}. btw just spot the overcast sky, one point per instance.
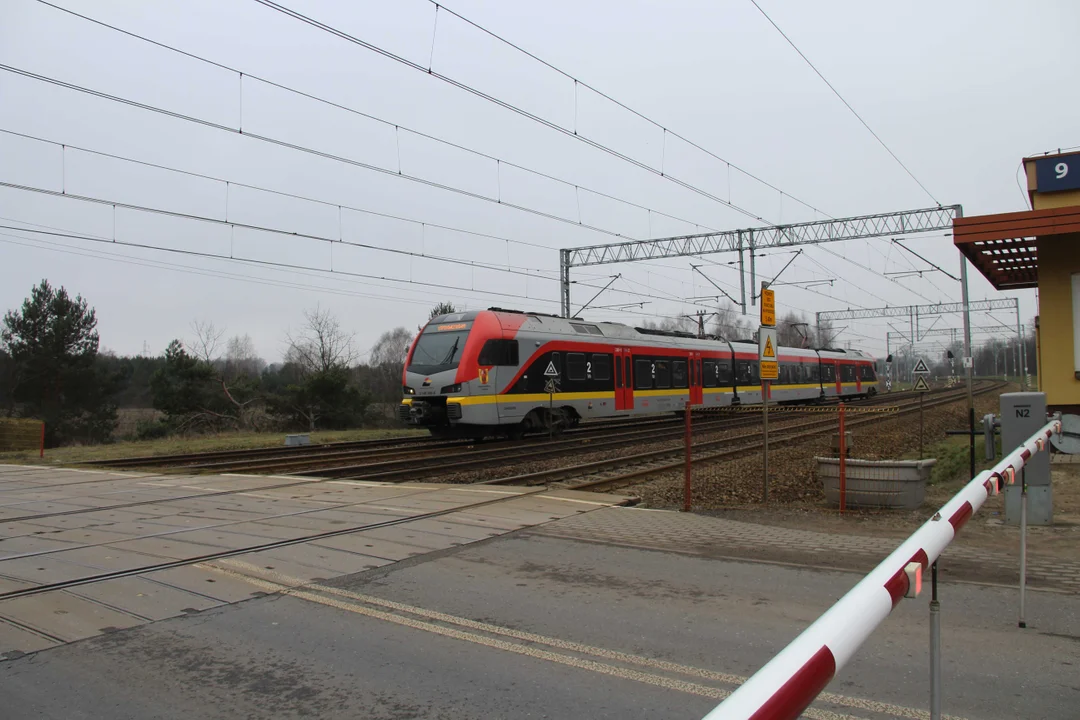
{"type": "Point", "coordinates": [960, 91]}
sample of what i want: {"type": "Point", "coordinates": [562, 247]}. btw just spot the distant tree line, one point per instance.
{"type": "Point", "coordinates": [51, 368]}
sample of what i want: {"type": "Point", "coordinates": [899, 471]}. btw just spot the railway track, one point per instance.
{"type": "Point", "coordinates": [613, 473]}
{"type": "Point", "coordinates": [269, 459]}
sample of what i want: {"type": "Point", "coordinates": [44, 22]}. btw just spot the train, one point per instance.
{"type": "Point", "coordinates": [500, 372]}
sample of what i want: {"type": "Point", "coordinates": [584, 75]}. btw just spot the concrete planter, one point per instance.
{"type": "Point", "coordinates": [899, 484]}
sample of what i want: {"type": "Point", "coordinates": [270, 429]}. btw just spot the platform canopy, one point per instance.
{"type": "Point", "coordinates": [1004, 247]}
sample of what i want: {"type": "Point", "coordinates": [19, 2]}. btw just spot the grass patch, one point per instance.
{"type": "Point", "coordinates": [953, 462]}
{"type": "Point", "coordinates": [202, 443]}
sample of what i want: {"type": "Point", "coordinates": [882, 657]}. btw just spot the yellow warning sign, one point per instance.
{"type": "Point", "coordinates": [770, 370]}
{"type": "Point", "coordinates": [768, 307]}
{"type": "Point", "coordinates": [768, 351]}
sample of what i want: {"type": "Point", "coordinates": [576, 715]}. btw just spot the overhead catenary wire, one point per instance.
{"type": "Point", "coordinates": [309, 151]}
{"type": "Point", "coordinates": [294, 266]}
{"type": "Point", "coordinates": [579, 82]}
{"type": "Point", "coordinates": [568, 132]}
{"type": "Point", "coordinates": [397, 127]}
{"type": "Point", "coordinates": [846, 103]}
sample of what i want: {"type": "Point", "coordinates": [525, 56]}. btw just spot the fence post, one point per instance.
{"type": "Point", "coordinates": [687, 478]}
{"type": "Point", "coordinates": [843, 462]}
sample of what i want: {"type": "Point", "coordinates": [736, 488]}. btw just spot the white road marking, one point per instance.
{"type": "Point", "coordinates": [288, 585]}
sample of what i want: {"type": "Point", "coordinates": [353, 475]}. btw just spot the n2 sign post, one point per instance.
{"type": "Point", "coordinates": [769, 370]}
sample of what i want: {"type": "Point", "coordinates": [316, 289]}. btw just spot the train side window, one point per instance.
{"type": "Point", "coordinates": [723, 372]}
{"type": "Point", "coordinates": [709, 375]}
{"type": "Point", "coordinates": [618, 373]}
{"type": "Point", "coordinates": [576, 367]}
{"type": "Point", "coordinates": [678, 373]}
{"type": "Point", "coordinates": [626, 372]}
{"type": "Point", "coordinates": [847, 373]}
{"type": "Point", "coordinates": [868, 373]}
{"type": "Point", "coordinates": [600, 367]}
{"type": "Point", "coordinates": [755, 378]}
{"type": "Point", "coordinates": [643, 374]}
{"type": "Point", "coordinates": [499, 352]}
{"type": "Point", "coordinates": [813, 373]}
{"type": "Point", "coordinates": [742, 373]}
{"type": "Point", "coordinates": [828, 373]}
{"type": "Point", "coordinates": [663, 373]}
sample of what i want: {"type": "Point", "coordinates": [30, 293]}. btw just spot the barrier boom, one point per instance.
{"type": "Point", "coordinates": [790, 681]}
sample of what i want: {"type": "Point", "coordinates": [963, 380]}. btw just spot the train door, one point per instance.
{"type": "Point", "coordinates": [624, 385]}
{"type": "Point", "coordinates": [839, 378]}
{"type": "Point", "coordinates": [697, 395]}
{"type": "Point", "coordinates": [858, 378]}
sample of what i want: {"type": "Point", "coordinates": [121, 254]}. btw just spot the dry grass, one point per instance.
{"type": "Point", "coordinates": [201, 443]}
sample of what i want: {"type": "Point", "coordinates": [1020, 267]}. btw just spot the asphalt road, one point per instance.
{"type": "Point", "coordinates": [536, 626]}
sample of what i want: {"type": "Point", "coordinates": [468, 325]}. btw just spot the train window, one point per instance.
{"type": "Point", "coordinates": [742, 373]}
{"type": "Point", "coordinates": [847, 373]}
{"type": "Point", "coordinates": [626, 372]}
{"type": "Point", "coordinates": [499, 352]}
{"type": "Point", "coordinates": [662, 369]}
{"type": "Point", "coordinates": [599, 367]}
{"type": "Point", "coordinates": [678, 373]}
{"type": "Point", "coordinates": [618, 373]}
{"type": "Point", "coordinates": [710, 376]}
{"type": "Point", "coordinates": [643, 374]}
{"type": "Point", "coordinates": [868, 373]}
{"type": "Point", "coordinates": [723, 372]}
{"type": "Point", "coordinates": [754, 376]}
{"type": "Point", "coordinates": [576, 367]}
{"type": "Point", "coordinates": [811, 373]}
{"type": "Point", "coordinates": [828, 373]}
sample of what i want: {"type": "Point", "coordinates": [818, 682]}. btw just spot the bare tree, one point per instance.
{"type": "Point", "coordinates": [321, 344]}
{"type": "Point", "coordinates": [206, 342]}
{"type": "Point", "coordinates": [825, 334]}
{"type": "Point", "coordinates": [793, 331]}
{"type": "Point", "coordinates": [235, 385]}
{"type": "Point", "coordinates": [730, 324]}
{"type": "Point", "coordinates": [241, 358]}
{"type": "Point", "coordinates": [387, 362]}
{"type": "Point", "coordinates": [391, 347]}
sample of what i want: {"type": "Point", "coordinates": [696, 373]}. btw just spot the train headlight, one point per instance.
{"type": "Point", "coordinates": [450, 389]}
{"type": "Point", "coordinates": [408, 390]}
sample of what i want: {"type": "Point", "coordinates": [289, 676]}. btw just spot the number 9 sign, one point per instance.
{"type": "Point", "coordinates": [1053, 173]}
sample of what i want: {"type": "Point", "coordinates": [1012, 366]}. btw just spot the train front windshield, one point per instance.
{"type": "Point", "coordinates": [438, 350]}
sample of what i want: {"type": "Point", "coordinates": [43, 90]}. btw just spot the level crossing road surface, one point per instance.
{"type": "Point", "coordinates": [544, 621]}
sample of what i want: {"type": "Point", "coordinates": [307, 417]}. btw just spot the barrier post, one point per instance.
{"type": "Point", "coordinates": [1023, 546]}
{"type": "Point", "coordinates": [687, 474]}
{"type": "Point", "coordinates": [935, 647]}
{"type": "Point", "coordinates": [787, 684]}
{"type": "Point", "coordinates": [843, 462]}
{"type": "Point", "coordinates": [42, 452]}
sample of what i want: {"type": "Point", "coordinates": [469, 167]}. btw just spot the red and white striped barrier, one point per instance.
{"type": "Point", "coordinates": [790, 681]}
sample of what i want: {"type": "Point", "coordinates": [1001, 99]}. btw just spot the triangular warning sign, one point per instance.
{"type": "Point", "coordinates": [921, 385]}
{"type": "Point", "coordinates": [768, 351]}
{"type": "Point", "coordinates": [551, 371]}
{"type": "Point", "coordinates": [920, 368]}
